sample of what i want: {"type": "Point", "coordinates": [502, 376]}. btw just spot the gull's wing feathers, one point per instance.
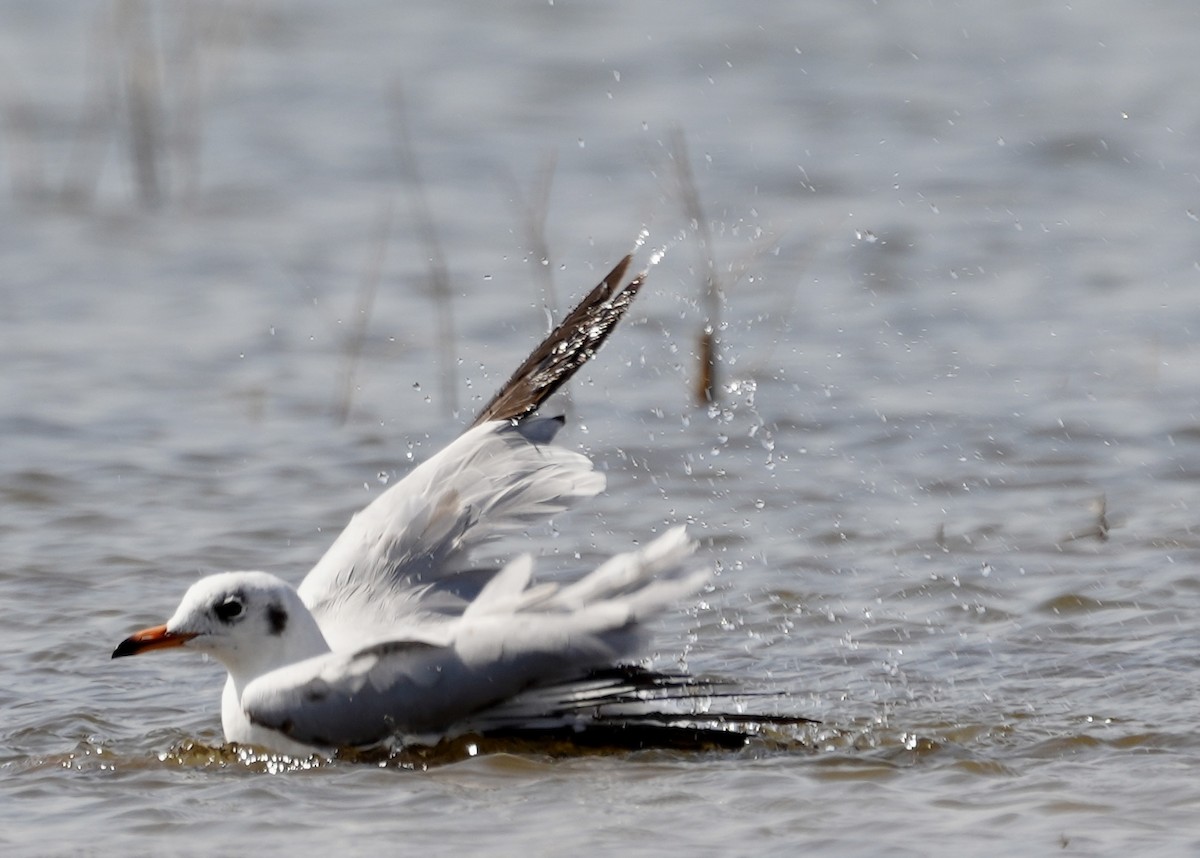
{"type": "Point", "coordinates": [391, 562]}
{"type": "Point", "coordinates": [626, 707]}
{"type": "Point", "coordinates": [565, 349]}
{"type": "Point", "coordinates": [510, 639]}
{"type": "Point", "coordinates": [387, 564]}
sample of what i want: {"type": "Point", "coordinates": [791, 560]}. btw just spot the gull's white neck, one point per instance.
{"type": "Point", "coordinates": [301, 639]}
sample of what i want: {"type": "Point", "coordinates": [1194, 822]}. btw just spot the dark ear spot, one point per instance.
{"type": "Point", "coordinates": [277, 619]}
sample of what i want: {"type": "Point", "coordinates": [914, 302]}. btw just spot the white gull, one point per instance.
{"type": "Point", "coordinates": [393, 633]}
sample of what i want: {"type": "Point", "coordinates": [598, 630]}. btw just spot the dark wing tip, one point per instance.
{"type": "Point", "coordinates": [565, 349]}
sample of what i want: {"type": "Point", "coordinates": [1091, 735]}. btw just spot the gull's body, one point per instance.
{"type": "Point", "coordinates": [393, 633]}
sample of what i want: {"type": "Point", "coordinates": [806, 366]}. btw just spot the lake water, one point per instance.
{"type": "Point", "coordinates": [949, 484]}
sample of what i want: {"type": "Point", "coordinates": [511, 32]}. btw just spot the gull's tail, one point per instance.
{"type": "Point", "coordinates": [603, 616]}
{"type": "Point", "coordinates": [610, 603]}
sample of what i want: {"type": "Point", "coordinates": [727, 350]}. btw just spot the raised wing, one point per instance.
{"type": "Point", "coordinates": [397, 560]}
{"type": "Point", "coordinates": [403, 557]}
{"type": "Point", "coordinates": [510, 638]}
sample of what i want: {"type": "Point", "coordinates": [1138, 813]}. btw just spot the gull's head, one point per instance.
{"type": "Point", "coordinates": [249, 621]}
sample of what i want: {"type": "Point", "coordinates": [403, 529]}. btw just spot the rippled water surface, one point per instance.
{"type": "Point", "coordinates": [949, 484]}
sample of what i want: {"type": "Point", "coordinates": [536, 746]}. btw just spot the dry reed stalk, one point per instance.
{"type": "Point", "coordinates": [356, 341]}
{"type": "Point", "coordinates": [439, 276]}
{"type": "Point", "coordinates": [708, 340]}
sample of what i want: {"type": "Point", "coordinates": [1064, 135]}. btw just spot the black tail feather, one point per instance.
{"type": "Point", "coordinates": [629, 706]}
{"type": "Point", "coordinates": [626, 736]}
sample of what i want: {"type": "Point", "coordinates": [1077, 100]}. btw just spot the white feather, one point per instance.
{"type": "Point", "coordinates": [380, 571]}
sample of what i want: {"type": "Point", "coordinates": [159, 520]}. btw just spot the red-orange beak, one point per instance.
{"type": "Point", "coordinates": [148, 639]}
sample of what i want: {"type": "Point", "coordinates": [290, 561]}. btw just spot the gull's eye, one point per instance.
{"type": "Point", "coordinates": [229, 610]}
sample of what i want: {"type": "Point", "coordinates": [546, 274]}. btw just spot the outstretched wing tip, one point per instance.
{"type": "Point", "coordinates": [567, 348]}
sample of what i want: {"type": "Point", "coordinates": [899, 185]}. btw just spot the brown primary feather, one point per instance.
{"type": "Point", "coordinates": [565, 349]}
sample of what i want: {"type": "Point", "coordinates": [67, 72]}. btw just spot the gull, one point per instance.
{"type": "Point", "coordinates": [394, 634]}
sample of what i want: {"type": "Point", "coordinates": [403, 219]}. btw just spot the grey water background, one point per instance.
{"type": "Point", "coordinates": [949, 485]}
